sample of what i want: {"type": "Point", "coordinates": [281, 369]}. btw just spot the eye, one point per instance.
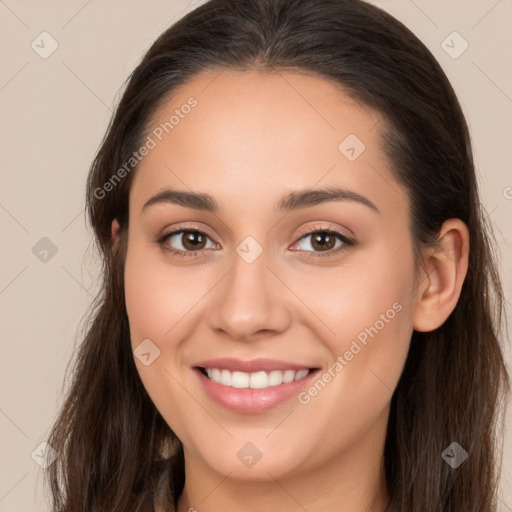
{"type": "Point", "coordinates": [323, 240]}
{"type": "Point", "coordinates": [188, 240]}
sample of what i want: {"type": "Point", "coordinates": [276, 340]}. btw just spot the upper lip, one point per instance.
{"type": "Point", "coordinates": [252, 365]}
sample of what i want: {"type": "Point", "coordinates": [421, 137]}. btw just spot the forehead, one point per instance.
{"type": "Point", "coordinates": [251, 136]}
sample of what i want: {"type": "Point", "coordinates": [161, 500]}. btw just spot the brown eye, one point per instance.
{"type": "Point", "coordinates": [324, 241]}
{"type": "Point", "coordinates": [193, 240]}
{"type": "Point", "coordinates": [183, 241]}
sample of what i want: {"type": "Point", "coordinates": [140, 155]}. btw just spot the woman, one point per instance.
{"type": "Point", "coordinates": [300, 306]}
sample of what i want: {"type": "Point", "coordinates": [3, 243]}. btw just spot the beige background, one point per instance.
{"type": "Point", "coordinates": [54, 112]}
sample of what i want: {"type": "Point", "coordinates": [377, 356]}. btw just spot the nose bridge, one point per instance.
{"type": "Point", "coordinates": [250, 298]}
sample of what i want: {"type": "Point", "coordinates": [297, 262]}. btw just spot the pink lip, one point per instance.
{"type": "Point", "coordinates": [250, 366]}
{"type": "Point", "coordinates": [252, 401]}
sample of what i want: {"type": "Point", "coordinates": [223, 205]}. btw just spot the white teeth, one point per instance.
{"type": "Point", "coordinates": [238, 379]}
{"type": "Point", "coordinates": [289, 376]}
{"type": "Point", "coordinates": [301, 374]}
{"type": "Point", "coordinates": [225, 378]}
{"type": "Point", "coordinates": [256, 380]}
{"type": "Point", "coordinates": [276, 377]}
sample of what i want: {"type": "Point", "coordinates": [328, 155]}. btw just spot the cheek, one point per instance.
{"type": "Point", "coordinates": [157, 302]}
{"type": "Point", "coordinates": [368, 292]}
{"type": "Point", "coordinates": [367, 308]}
{"type": "Point", "coordinates": [145, 303]}
{"type": "Point", "coordinates": [370, 312]}
{"type": "Point", "coordinates": [158, 295]}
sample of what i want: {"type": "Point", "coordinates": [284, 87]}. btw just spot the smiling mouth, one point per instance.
{"type": "Point", "coordinates": [254, 380]}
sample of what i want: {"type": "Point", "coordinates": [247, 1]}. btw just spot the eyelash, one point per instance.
{"type": "Point", "coordinates": [347, 242]}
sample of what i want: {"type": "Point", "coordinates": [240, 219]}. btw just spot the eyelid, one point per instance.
{"type": "Point", "coordinates": [322, 227]}
{"type": "Point", "coordinates": [187, 227]}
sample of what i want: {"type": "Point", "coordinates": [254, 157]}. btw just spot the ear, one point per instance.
{"type": "Point", "coordinates": [115, 230]}
{"type": "Point", "coordinates": [440, 284]}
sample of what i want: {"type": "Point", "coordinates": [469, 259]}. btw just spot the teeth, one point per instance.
{"type": "Point", "coordinates": [257, 380]}
{"type": "Point", "coordinates": [301, 374]}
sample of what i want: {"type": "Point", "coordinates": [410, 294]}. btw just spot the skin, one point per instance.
{"type": "Point", "coordinates": [252, 138]}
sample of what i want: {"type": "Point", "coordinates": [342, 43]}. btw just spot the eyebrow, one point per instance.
{"type": "Point", "coordinates": [293, 201]}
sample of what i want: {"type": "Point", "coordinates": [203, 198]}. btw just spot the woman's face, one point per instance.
{"type": "Point", "coordinates": [262, 282]}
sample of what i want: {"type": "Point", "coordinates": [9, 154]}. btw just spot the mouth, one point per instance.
{"type": "Point", "coordinates": [254, 380]}
{"type": "Point", "coordinates": [251, 387]}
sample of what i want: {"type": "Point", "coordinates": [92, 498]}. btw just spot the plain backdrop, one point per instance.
{"type": "Point", "coordinates": [62, 65]}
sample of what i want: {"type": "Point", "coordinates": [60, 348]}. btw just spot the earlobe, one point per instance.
{"type": "Point", "coordinates": [445, 270]}
{"type": "Point", "coordinates": [115, 232]}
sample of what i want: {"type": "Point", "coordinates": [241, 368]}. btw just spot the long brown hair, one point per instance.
{"type": "Point", "coordinates": [116, 452]}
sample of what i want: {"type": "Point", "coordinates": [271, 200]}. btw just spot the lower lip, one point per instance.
{"type": "Point", "coordinates": [252, 401]}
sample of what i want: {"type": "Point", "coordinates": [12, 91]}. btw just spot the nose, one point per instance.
{"type": "Point", "coordinates": [251, 301]}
